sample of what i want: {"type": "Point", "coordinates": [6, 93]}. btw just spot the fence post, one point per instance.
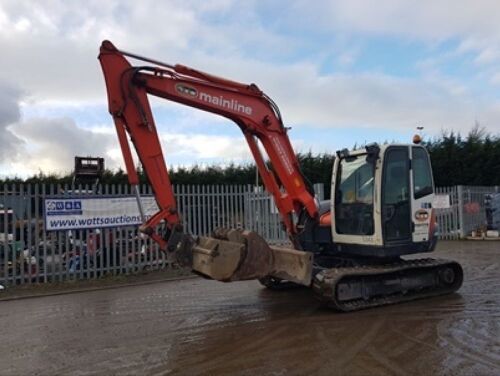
{"type": "Point", "coordinates": [461, 224]}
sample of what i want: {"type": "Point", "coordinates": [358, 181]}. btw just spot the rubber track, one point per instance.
{"type": "Point", "coordinates": [325, 283]}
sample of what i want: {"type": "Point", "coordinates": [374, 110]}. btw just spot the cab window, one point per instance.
{"type": "Point", "coordinates": [422, 174]}
{"type": "Point", "coordinates": [354, 196]}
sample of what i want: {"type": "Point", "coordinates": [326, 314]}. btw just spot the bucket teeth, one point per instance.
{"type": "Point", "coordinates": [231, 234]}
{"type": "Point", "coordinates": [184, 253]}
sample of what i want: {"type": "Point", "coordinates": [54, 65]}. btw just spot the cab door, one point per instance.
{"type": "Point", "coordinates": [396, 202]}
{"type": "Point", "coordinates": [354, 201]}
{"type": "Point", "coordinates": [422, 195]}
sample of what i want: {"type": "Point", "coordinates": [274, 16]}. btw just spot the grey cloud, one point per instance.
{"type": "Point", "coordinates": [51, 49]}
{"type": "Point", "coordinates": [365, 100]}
{"type": "Point", "coordinates": [54, 53]}
{"type": "Point", "coordinates": [10, 144]}
{"type": "Point", "coordinates": [47, 144]}
{"type": "Point", "coordinates": [55, 141]}
{"type": "Point", "coordinates": [422, 20]}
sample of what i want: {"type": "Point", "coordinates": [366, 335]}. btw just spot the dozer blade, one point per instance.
{"type": "Point", "coordinates": [236, 255]}
{"type": "Point", "coordinates": [354, 288]}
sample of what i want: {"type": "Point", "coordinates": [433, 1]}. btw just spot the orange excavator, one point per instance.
{"type": "Point", "coordinates": [348, 249]}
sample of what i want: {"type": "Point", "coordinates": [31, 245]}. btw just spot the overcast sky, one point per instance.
{"type": "Point", "coordinates": [342, 72]}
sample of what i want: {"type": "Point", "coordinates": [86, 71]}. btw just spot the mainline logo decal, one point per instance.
{"type": "Point", "coordinates": [186, 90]}
{"type": "Point", "coordinates": [220, 101]}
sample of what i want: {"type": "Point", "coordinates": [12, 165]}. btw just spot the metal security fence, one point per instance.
{"type": "Point", "coordinates": [479, 208]}
{"type": "Point", "coordinates": [470, 208]}
{"type": "Point", "coordinates": [448, 217]}
{"type": "Point", "coordinates": [31, 254]}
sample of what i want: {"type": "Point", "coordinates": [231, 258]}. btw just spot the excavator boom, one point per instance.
{"type": "Point", "coordinates": [254, 112]}
{"type": "Point", "coordinates": [231, 255]}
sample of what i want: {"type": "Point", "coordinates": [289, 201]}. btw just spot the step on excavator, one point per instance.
{"type": "Point", "coordinates": [349, 249]}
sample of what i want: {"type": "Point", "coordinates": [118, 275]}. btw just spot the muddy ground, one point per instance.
{"type": "Point", "coordinates": [29, 290]}
{"type": "Point", "coordinates": [199, 327]}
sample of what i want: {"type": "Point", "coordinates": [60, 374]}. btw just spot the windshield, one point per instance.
{"type": "Point", "coordinates": [422, 175]}
{"type": "Point", "coordinates": [354, 196]}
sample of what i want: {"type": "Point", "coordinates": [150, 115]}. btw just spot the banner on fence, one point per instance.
{"type": "Point", "coordinates": [80, 212]}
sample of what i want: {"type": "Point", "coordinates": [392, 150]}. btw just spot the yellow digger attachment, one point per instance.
{"type": "Point", "coordinates": [237, 255]}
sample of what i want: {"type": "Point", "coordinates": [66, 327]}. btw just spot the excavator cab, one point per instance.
{"type": "Point", "coordinates": [382, 201]}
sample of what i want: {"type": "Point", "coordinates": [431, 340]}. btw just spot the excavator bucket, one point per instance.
{"type": "Point", "coordinates": [237, 255]}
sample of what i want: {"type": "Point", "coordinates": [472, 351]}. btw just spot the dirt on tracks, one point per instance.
{"type": "Point", "coordinates": [200, 327]}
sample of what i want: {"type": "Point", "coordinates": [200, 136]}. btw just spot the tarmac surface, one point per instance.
{"type": "Point", "coordinates": [200, 327]}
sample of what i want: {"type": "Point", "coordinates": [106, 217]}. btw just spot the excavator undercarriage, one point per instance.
{"type": "Point", "coordinates": [354, 288]}
{"type": "Point", "coordinates": [235, 255]}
